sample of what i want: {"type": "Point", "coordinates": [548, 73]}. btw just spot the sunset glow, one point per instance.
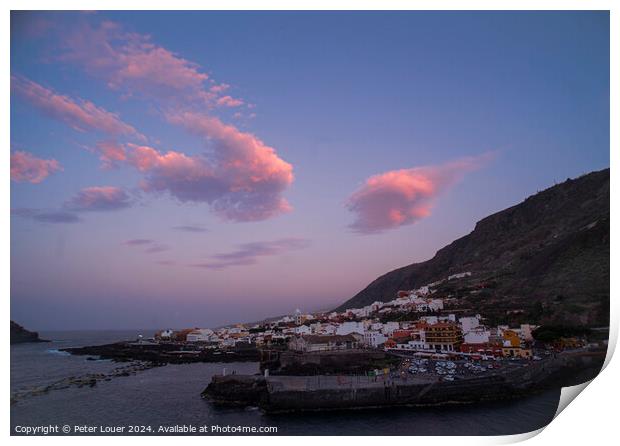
{"type": "Point", "coordinates": [215, 167]}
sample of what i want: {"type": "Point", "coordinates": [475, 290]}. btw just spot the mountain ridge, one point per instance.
{"type": "Point", "coordinates": [548, 254]}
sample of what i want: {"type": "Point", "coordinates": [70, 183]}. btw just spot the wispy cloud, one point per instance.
{"type": "Point", "coordinates": [99, 198]}
{"type": "Point", "coordinates": [153, 249]}
{"type": "Point", "coordinates": [147, 246]}
{"type": "Point", "coordinates": [79, 114]}
{"type": "Point", "coordinates": [46, 216]}
{"type": "Point", "coordinates": [249, 253]}
{"type": "Point", "coordinates": [403, 197]}
{"type": "Point", "coordinates": [190, 228]}
{"type": "Point", "coordinates": [138, 242]}
{"type": "Point", "coordinates": [25, 167]}
{"type": "Point", "coordinates": [228, 101]}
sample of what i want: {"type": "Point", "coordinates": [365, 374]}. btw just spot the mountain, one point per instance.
{"type": "Point", "coordinates": [545, 260]}
{"type": "Point", "coordinates": [20, 335]}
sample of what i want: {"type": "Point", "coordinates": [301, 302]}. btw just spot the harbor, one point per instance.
{"type": "Point", "coordinates": [282, 393]}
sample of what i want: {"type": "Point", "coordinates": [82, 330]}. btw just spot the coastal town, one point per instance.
{"type": "Point", "coordinates": [414, 323]}
{"type": "Point", "coordinates": [418, 347]}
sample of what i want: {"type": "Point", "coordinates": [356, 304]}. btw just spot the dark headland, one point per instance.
{"type": "Point", "coordinates": [20, 335]}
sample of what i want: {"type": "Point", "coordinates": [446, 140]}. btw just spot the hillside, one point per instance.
{"type": "Point", "coordinates": [543, 260]}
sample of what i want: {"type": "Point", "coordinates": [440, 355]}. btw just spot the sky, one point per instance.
{"type": "Point", "coordinates": [194, 169]}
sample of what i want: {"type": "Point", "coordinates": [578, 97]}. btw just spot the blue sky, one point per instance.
{"type": "Point", "coordinates": [489, 107]}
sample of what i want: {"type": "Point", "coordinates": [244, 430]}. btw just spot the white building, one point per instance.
{"type": "Point", "coordinates": [200, 335]}
{"type": "Point", "coordinates": [376, 305]}
{"type": "Point", "coordinates": [423, 304]}
{"type": "Point", "coordinates": [449, 318]}
{"type": "Point", "coordinates": [477, 335]}
{"type": "Point", "coordinates": [525, 333]}
{"type": "Point", "coordinates": [423, 291]}
{"type": "Point", "coordinates": [303, 330]}
{"type": "Point", "coordinates": [413, 346]}
{"type": "Point", "coordinates": [224, 343]}
{"type": "Point", "coordinates": [376, 326]}
{"type": "Point", "coordinates": [459, 275]}
{"type": "Point", "coordinates": [350, 327]}
{"type": "Point", "coordinates": [374, 338]}
{"type": "Point", "coordinates": [430, 320]}
{"type": "Point", "coordinates": [389, 327]}
{"type": "Point", "coordinates": [166, 334]}
{"type": "Point", "coordinates": [469, 323]}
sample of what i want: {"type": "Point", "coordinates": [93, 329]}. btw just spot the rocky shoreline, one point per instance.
{"type": "Point", "coordinates": [163, 353]}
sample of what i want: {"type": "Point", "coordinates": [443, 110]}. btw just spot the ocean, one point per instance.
{"type": "Point", "coordinates": [169, 397]}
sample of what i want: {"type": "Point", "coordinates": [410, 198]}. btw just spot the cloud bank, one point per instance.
{"type": "Point", "coordinates": [26, 167]}
{"type": "Point", "coordinates": [403, 197]}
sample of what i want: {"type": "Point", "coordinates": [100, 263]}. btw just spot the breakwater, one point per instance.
{"type": "Point", "coordinates": [324, 392]}
{"type": "Point", "coordinates": [87, 380]}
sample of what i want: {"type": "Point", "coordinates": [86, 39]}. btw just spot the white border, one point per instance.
{"type": "Point", "coordinates": [591, 419]}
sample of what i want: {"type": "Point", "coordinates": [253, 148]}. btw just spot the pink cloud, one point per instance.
{"type": "Point", "coordinates": [219, 88]}
{"type": "Point", "coordinates": [227, 101]}
{"type": "Point", "coordinates": [78, 114]}
{"type": "Point", "coordinates": [99, 198]}
{"type": "Point", "coordinates": [131, 62]}
{"type": "Point", "coordinates": [253, 174]}
{"type": "Point", "coordinates": [27, 167]}
{"type": "Point", "coordinates": [110, 153]}
{"type": "Point", "coordinates": [245, 188]}
{"type": "Point", "coordinates": [242, 179]}
{"type": "Point", "coordinates": [139, 62]}
{"type": "Point", "coordinates": [403, 197]}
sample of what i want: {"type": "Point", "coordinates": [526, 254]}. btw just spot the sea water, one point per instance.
{"type": "Point", "coordinates": [167, 400]}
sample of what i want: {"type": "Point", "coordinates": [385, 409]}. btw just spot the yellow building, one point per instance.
{"type": "Point", "coordinates": [512, 347]}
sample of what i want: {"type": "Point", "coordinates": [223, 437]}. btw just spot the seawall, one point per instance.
{"type": "Point", "coordinates": [324, 392]}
